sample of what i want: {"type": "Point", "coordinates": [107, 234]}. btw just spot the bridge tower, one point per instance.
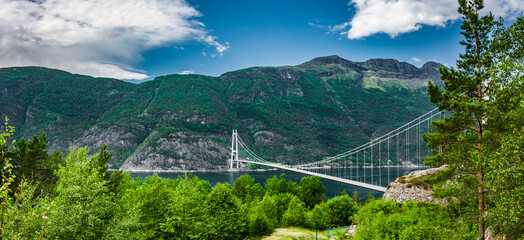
{"type": "Point", "coordinates": [234, 149]}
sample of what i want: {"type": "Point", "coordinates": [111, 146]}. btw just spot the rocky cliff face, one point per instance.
{"type": "Point", "coordinates": [404, 189]}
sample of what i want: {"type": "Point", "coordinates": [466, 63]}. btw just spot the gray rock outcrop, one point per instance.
{"type": "Point", "coordinates": [402, 189]}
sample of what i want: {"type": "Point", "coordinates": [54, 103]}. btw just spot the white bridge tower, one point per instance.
{"type": "Point", "coordinates": [234, 150]}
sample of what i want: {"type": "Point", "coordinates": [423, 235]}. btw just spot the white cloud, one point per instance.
{"type": "Point", "coordinates": [415, 59]}
{"type": "Point", "coordinates": [186, 72]}
{"type": "Point", "coordinates": [97, 37]}
{"type": "Point", "coordinates": [394, 17]}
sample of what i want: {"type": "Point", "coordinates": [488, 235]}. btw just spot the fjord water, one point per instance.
{"type": "Point", "coordinates": [381, 176]}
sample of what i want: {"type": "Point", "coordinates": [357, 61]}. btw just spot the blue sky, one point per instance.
{"type": "Point", "coordinates": [142, 39]}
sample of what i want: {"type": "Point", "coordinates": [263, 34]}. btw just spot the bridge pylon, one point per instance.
{"type": "Point", "coordinates": [234, 150]}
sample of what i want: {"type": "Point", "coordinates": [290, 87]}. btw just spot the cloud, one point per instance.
{"type": "Point", "coordinates": [415, 59]}
{"type": "Point", "coordinates": [97, 37]}
{"type": "Point", "coordinates": [394, 17]}
{"type": "Point", "coordinates": [186, 72]}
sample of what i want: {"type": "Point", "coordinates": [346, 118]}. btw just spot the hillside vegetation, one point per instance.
{"type": "Point", "coordinates": [183, 122]}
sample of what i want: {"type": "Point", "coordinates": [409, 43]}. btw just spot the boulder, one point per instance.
{"type": "Point", "coordinates": [403, 189]}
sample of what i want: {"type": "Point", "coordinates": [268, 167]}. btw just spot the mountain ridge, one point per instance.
{"type": "Point", "coordinates": [182, 122]}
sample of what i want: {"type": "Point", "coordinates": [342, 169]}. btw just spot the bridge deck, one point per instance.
{"type": "Point", "coordinates": [343, 180]}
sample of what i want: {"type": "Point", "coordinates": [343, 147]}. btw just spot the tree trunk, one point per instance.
{"type": "Point", "coordinates": [481, 203]}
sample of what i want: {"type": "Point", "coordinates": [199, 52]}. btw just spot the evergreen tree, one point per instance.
{"type": "Point", "coordinates": [356, 198]}
{"type": "Point", "coordinates": [460, 138]}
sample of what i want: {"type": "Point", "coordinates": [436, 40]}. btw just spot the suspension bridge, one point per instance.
{"type": "Point", "coordinates": [363, 166]}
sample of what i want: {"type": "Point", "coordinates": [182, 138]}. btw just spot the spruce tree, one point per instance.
{"type": "Point", "coordinates": [460, 138]}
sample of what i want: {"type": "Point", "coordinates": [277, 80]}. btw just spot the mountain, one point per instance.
{"type": "Point", "coordinates": [289, 114]}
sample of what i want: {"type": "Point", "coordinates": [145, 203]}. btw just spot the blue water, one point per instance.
{"type": "Point", "coordinates": [381, 176]}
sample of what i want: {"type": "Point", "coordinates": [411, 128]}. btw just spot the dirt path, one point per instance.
{"type": "Point", "coordinates": [291, 233]}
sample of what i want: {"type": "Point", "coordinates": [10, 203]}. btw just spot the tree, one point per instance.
{"type": "Point", "coordinates": [82, 208]}
{"type": "Point", "coordinates": [7, 175]}
{"type": "Point", "coordinates": [312, 191]}
{"type": "Point", "coordinates": [295, 214]}
{"type": "Point", "coordinates": [186, 215]}
{"type": "Point", "coordinates": [276, 185]}
{"type": "Point", "coordinates": [505, 165]}
{"type": "Point", "coordinates": [32, 162]}
{"type": "Point", "coordinates": [356, 198]}
{"type": "Point", "coordinates": [245, 186]}
{"type": "Point", "coordinates": [226, 217]}
{"type": "Point", "coordinates": [460, 138]}
{"type": "Point", "coordinates": [270, 208]}
{"type": "Point", "coordinates": [341, 209]}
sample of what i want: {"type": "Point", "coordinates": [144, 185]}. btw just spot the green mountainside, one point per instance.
{"type": "Point", "coordinates": [288, 114]}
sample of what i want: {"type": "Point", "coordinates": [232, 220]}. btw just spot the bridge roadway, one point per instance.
{"type": "Point", "coordinates": [343, 180]}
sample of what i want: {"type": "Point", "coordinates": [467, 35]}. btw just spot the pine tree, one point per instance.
{"type": "Point", "coordinates": [460, 138]}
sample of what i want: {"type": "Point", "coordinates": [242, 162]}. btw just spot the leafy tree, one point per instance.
{"type": "Point", "coordinates": [148, 203]}
{"type": "Point", "coordinates": [82, 209]}
{"type": "Point", "coordinates": [312, 191]}
{"type": "Point", "coordinates": [295, 214]}
{"type": "Point", "coordinates": [320, 216]}
{"type": "Point", "coordinates": [276, 185]}
{"type": "Point", "coordinates": [282, 202]}
{"type": "Point", "coordinates": [7, 175]}
{"type": "Point", "coordinates": [26, 218]}
{"type": "Point", "coordinates": [245, 186]}
{"type": "Point", "coordinates": [270, 208]}
{"type": "Point", "coordinates": [388, 220]}
{"type": "Point", "coordinates": [259, 223]}
{"type": "Point", "coordinates": [461, 138]}
{"type": "Point", "coordinates": [226, 217]}
{"type": "Point", "coordinates": [505, 173]}
{"type": "Point", "coordinates": [341, 209]}
{"type": "Point", "coordinates": [186, 217]}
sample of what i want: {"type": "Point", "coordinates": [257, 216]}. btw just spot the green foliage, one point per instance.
{"type": "Point", "coordinates": [282, 201]}
{"type": "Point", "coordinates": [312, 191]}
{"type": "Point", "coordinates": [82, 208]}
{"type": "Point", "coordinates": [276, 185]}
{"type": "Point", "coordinates": [341, 209]}
{"type": "Point", "coordinates": [245, 188]}
{"type": "Point", "coordinates": [463, 138]}
{"type": "Point", "coordinates": [186, 213]}
{"type": "Point", "coordinates": [295, 215]}
{"type": "Point", "coordinates": [506, 182]}
{"type": "Point", "coordinates": [356, 198]}
{"type": "Point", "coordinates": [26, 218]}
{"type": "Point", "coordinates": [387, 220]}
{"type": "Point", "coordinates": [336, 212]}
{"type": "Point", "coordinates": [226, 216]}
{"type": "Point", "coordinates": [33, 163]}
{"type": "Point", "coordinates": [478, 140]}
{"type": "Point", "coordinates": [504, 175]}
{"type": "Point", "coordinates": [259, 223]}
{"type": "Point", "coordinates": [7, 176]}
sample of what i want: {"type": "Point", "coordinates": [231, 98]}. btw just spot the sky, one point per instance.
{"type": "Point", "coordinates": [143, 39]}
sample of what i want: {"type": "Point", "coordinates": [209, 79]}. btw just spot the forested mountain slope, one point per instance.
{"type": "Point", "coordinates": [289, 114]}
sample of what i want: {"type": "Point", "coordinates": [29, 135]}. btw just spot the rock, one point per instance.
{"type": "Point", "coordinates": [489, 235]}
{"type": "Point", "coordinates": [350, 231]}
{"type": "Point", "coordinates": [402, 189]}
{"type": "Point", "coordinates": [176, 151]}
